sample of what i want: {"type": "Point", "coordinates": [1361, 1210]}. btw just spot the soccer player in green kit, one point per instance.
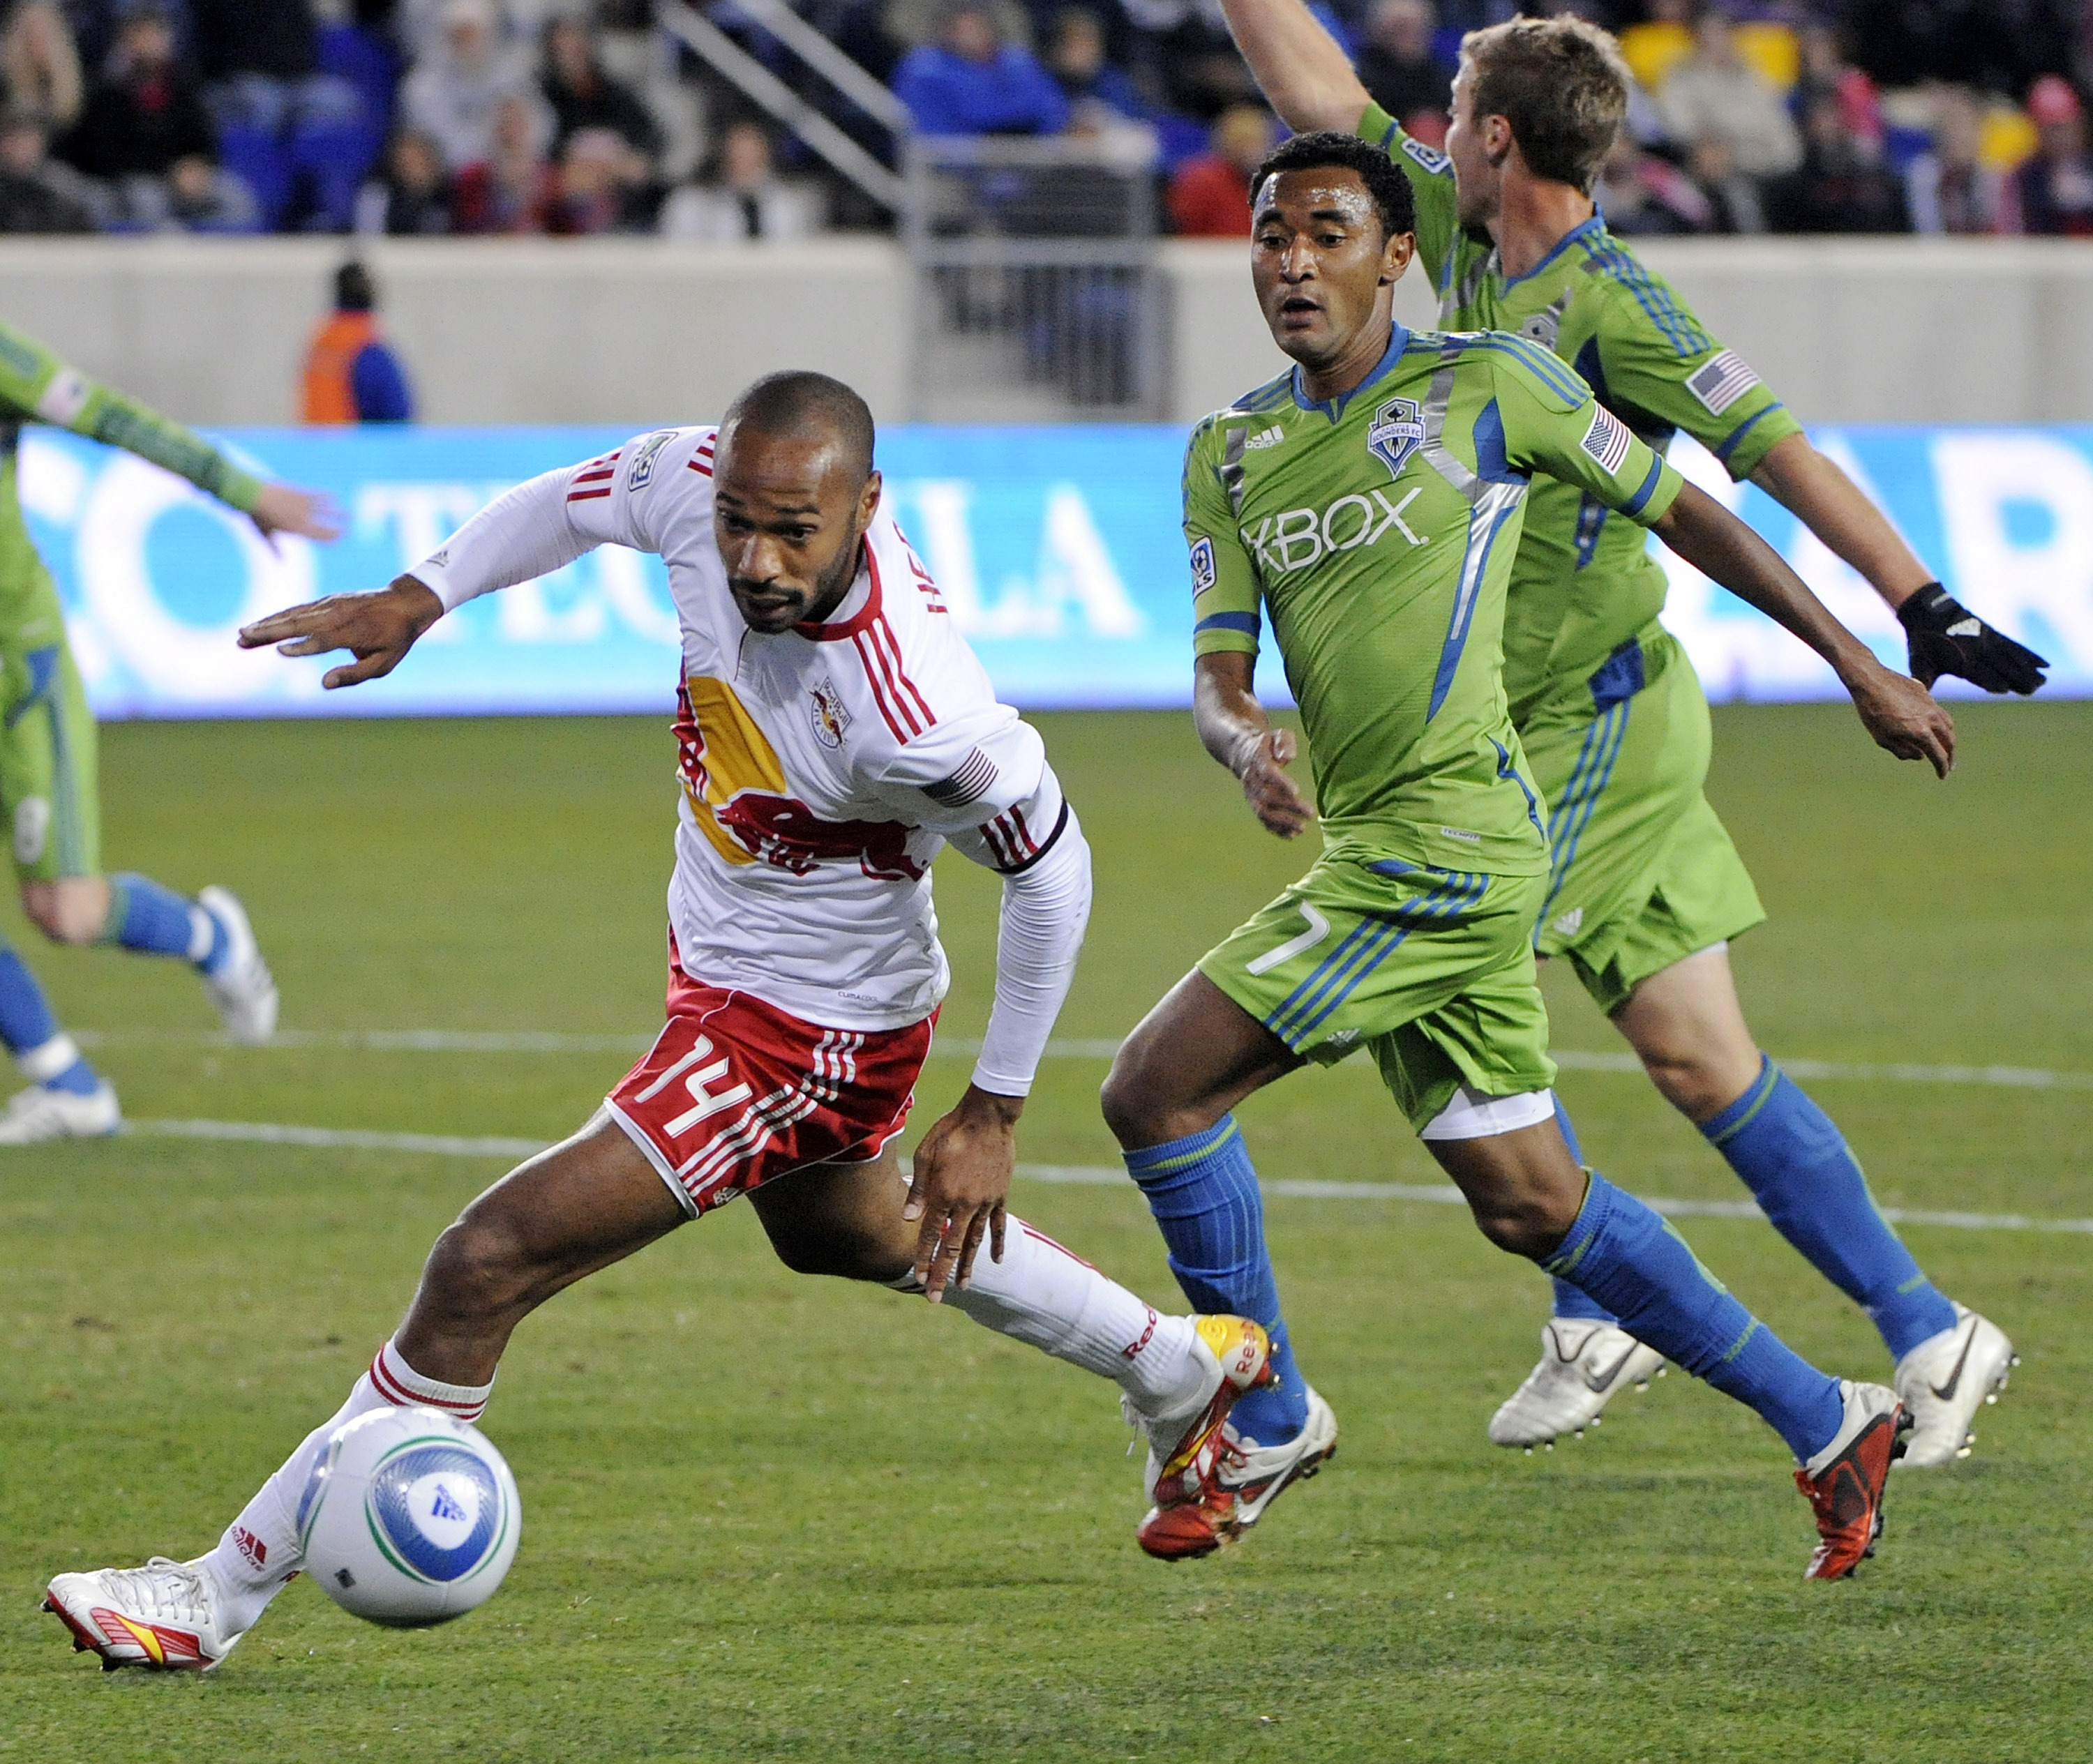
{"type": "Point", "coordinates": [1645, 888]}
{"type": "Point", "coordinates": [1370, 502]}
{"type": "Point", "coordinates": [47, 760]}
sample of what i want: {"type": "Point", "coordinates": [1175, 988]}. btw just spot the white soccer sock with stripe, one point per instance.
{"type": "Point", "coordinates": [258, 1555]}
{"type": "Point", "coordinates": [1042, 1294]}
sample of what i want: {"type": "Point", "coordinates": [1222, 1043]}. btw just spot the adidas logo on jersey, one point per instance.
{"type": "Point", "coordinates": [1571, 923]}
{"type": "Point", "coordinates": [1266, 437]}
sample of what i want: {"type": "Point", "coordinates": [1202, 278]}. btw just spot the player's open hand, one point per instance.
{"type": "Point", "coordinates": [309, 514]}
{"type": "Point", "coordinates": [377, 628]}
{"type": "Point", "coordinates": [1274, 798]}
{"type": "Point", "coordinates": [1903, 717]}
{"type": "Point", "coordinates": [962, 1178]}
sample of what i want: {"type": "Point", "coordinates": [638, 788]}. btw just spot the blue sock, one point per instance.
{"type": "Point", "coordinates": [1204, 1194]}
{"type": "Point", "coordinates": [154, 920]}
{"type": "Point", "coordinates": [1786, 1150]}
{"type": "Point", "coordinates": [1636, 1264]}
{"type": "Point", "coordinates": [27, 1026]}
{"type": "Point", "coordinates": [1568, 1301]}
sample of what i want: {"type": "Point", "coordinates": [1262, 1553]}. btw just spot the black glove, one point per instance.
{"type": "Point", "coordinates": [1947, 638]}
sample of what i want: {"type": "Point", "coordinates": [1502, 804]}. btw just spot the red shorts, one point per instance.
{"type": "Point", "coordinates": [735, 1092]}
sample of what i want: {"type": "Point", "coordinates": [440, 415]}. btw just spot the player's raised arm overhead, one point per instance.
{"type": "Point", "coordinates": [1303, 71]}
{"type": "Point", "coordinates": [34, 383]}
{"type": "Point", "coordinates": [1553, 425]}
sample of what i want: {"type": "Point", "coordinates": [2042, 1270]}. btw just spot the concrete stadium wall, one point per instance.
{"type": "Point", "coordinates": [641, 331]}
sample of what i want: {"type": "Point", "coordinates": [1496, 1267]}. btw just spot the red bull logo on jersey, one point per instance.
{"type": "Point", "coordinates": [742, 803]}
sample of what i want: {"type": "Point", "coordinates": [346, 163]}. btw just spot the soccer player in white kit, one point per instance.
{"type": "Point", "coordinates": [833, 733]}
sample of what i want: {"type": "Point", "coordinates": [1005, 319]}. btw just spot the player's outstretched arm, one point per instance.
{"type": "Point", "coordinates": [378, 629]}
{"type": "Point", "coordinates": [310, 514]}
{"type": "Point", "coordinates": [1943, 635]}
{"type": "Point", "coordinates": [1899, 713]}
{"type": "Point", "coordinates": [1234, 729]}
{"type": "Point", "coordinates": [1304, 73]}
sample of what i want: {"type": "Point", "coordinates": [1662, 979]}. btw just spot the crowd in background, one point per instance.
{"type": "Point", "coordinates": [581, 117]}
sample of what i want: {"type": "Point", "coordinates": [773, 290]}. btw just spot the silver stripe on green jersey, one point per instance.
{"type": "Point", "coordinates": [1437, 397]}
{"type": "Point", "coordinates": [1454, 301]}
{"type": "Point", "coordinates": [1232, 468]}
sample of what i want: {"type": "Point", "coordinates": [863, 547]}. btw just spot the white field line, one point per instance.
{"type": "Point", "coordinates": [957, 1047]}
{"type": "Point", "coordinates": [1082, 1175]}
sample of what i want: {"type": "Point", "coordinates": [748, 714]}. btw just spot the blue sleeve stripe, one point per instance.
{"type": "Point", "coordinates": [1245, 622]}
{"type": "Point", "coordinates": [1388, 140]}
{"type": "Point", "coordinates": [1729, 443]}
{"type": "Point", "coordinates": [1544, 367]}
{"type": "Point", "coordinates": [1658, 302]}
{"type": "Point", "coordinates": [1635, 505]}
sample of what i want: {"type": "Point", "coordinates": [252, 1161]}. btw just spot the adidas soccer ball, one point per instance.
{"type": "Point", "coordinates": [410, 1518]}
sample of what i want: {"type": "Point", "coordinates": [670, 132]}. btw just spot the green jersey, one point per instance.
{"type": "Point", "coordinates": [35, 385]}
{"type": "Point", "coordinates": [1584, 584]}
{"type": "Point", "coordinates": [1377, 533]}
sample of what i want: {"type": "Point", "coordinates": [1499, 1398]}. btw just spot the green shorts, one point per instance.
{"type": "Point", "coordinates": [47, 766]}
{"type": "Point", "coordinates": [1644, 873]}
{"type": "Point", "coordinates": [1431, 970]}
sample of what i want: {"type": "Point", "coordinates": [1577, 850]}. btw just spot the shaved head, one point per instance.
{"type": "Point", "coordinates": [802, 406]}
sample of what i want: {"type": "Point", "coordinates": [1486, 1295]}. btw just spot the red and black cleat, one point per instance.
{"type": "Point", "coordinates": [1845, 1493]}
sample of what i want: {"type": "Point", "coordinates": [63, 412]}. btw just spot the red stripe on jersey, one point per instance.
{"type": "Point", "coordinates": [586, 495]}
{"type": "Point", "coordinates": [998, 846]}
{"type": "Point", "coordinates": [1041, 1236]}
{"type": "Point", "coordinates": [701, 469]}
{"type": "Point", "coordinates": [1016, 816]}
{"type": "Point", "coordinates": [873, 678]}
{"type": "Point", "coordinates": [893, 647]}
{"type": "Point", "coordinates": [595, 477]}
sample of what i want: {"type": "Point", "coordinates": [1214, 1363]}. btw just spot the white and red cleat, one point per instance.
{"type": "Point", "coordinates": [162, 1616]}
{"type": "Point", "coordinates": [1193, 1515]}
{"type": "Point", "coordinates": [1844, 1482]}
{"type": "Point", "coordinates": [1256, 1476]}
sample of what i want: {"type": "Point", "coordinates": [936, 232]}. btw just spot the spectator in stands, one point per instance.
{"type": "Point", "coordinates": [260, 60]}
{"type": "Point", "coordinates": [972, 82]}
{"type": "Point", "coordinates": [411, 195]}
{"type": "Point", "coordinates": [602, 187]}
{"type": "Point", "coordinates": [1398, 67]}
{"type": "Point", "coordinates": [1183, 48]}
{"type": "Point", "coordinates": [1843, 185]}
{"type": "Point", "coordinates": [912, 24]}
{"type": "Point", "coordinates": [351, 374]}
{"type": "Point", "coordinates": [144, 119]}
{"type": "Point", "coordinates": [2053, 192]}
{"type": "Point", "coordinates": [456, 94]}
{"type": "Point", "coordinates": [1210, 197]}
{"type": "Point", "coordinates": [39, 68]}
{"type": "Point", "coordinates": [747, 200]}
{"type": "Point", "coordinates": [203, 198]}
{"type": "Point", "coordinates": [1948, 187]}
{"type": "Point", "coordinates": [583, 95]}
{"type": "Point", "coordinates": [1715, 95]}
{"type": "Point", "coordinates": [512, 189]}
{"type": "Point", "coordinates": [37, 194]}
{"type": "Point", "coordinates": [1640, 193]}
{"type": "Point", "coordinates": [1076, 58]}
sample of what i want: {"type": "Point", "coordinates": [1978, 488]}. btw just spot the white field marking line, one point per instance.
{"type": "Point", "coordinates": [960, 1047]}
{"type": "Point", "coordinates": [1080, 1175]}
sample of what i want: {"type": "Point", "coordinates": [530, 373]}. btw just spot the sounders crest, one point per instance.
{"type": "Point", "coordinates": [1395, 432]}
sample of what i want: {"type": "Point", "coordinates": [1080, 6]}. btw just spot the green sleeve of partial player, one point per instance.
{"type": "Point", "coordinates": [1431, 175]}
{"type": "Point", "coordinates": [1554, 425]}
{"type": "Point", "coordinates": [35, 384]}
{"type": "Point", "coordinates": [1224, 595]}
{"type": "Point", "coordinates": [1656, 358]}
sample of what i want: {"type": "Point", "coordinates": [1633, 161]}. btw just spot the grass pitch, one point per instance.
{"type": "Point", "coordinates": [767, 1517]}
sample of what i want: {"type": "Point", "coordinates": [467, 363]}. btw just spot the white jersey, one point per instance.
{"type": "Point", "coordinates": [822, 769]}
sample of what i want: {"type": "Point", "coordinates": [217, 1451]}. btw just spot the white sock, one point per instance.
{"type": "Point", "coordinates": [203, 932]}
{"type": "Point", "coordinates": [1041, 1294]}
{"type": "Point", "coordinates": [259, 1553]}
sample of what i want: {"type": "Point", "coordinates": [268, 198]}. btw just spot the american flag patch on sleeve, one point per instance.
{"type": "Point", "coordinates": [1607, 439]}
{"type": "Point", "coordinates": [969, 784]}
{"type": "Point", "coordinates": [1721, 382]}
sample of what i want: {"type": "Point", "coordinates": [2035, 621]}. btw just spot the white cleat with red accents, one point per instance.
{"type": "Point", "coordinates": [162, 1616]}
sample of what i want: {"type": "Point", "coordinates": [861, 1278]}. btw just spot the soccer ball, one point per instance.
{"type": "Point", "coordinates": [410, 1518]}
